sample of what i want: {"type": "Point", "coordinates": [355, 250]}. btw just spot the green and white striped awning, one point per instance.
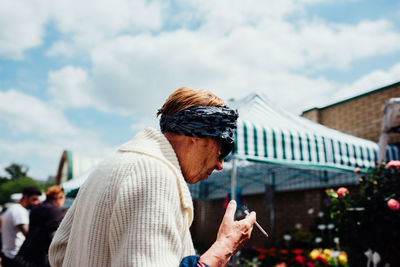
{"type": "Point", "coordinates": [267, 133]}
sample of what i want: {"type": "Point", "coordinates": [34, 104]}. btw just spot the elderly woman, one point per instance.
{"type": "Point", "coordinates": [43, 222]}
{"type": "Point", "coordinates": [135, 208]}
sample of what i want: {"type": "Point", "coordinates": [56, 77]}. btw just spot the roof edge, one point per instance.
{"type": "Point", "coordinates": [352, 98]}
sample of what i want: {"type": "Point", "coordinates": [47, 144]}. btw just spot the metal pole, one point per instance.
{"type": "Point", "coordinates": [233, 196]}
{"type": "Point", "coordinates": [233, 179]}
{"type": "Point", "coordinates": [203, 220]}
{"type": "Point", "coordinates": [272, 204]}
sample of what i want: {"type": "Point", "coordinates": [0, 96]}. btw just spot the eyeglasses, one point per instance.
{"type": "Point", "coordinates": [223, 149]}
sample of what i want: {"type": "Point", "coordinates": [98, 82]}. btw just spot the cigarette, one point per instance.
{"type": "Point", "coordinates": [258, 226]}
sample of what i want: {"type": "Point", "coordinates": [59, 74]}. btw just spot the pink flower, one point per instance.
{"type": "Point", "coordinates": [393, 204]}
{"type": "Point", "coordinates": [357, 170]}
{"type": "Point", "coordinates": [393, 164]}
{"type": "Point", "coordinates": [342, 192]}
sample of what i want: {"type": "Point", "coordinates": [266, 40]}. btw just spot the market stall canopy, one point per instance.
{"type": "Point", "coordinates": [71, 187]}
{"type": "Point", "coordinates": [268, 133]}
{"type": "Point", "coordinates": [72, 166]}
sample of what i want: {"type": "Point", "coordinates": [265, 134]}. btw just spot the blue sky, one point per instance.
{"type": "Point", "coordinates": [87, 75]}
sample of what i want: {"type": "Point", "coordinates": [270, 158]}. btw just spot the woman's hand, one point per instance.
{"type": "Point", "coordinates": [232, 235]}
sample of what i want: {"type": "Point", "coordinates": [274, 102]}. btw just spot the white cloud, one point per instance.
{"type": "Point", "coordinates": [82, 23]}
{"type": "Point", "coordinates": [107, 18]}
{"type": "Point", "coordinates": [97, 20]}
{"type": "Point", "coordinates": [61, 48]}
{"type": "Point", "coordinates": [134, 73]}
{"type": "Point", "coordinates": [70, 86]}
{"type": "Point", "coordinates": [21, 26]}
{"type": "Point", "coordinates": [35, 133]}
{"type": "Point", "coordinates": [338, 45]}
{"type": "Point", "coordinates": [373, 80]}
{"type": "Point", "coordinates": [138, 73]}
{"type": "Point", "coordinates": [29, 115]}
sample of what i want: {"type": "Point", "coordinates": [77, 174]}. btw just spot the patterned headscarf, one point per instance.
{"type": "Point", "coordinates": [218, 122]}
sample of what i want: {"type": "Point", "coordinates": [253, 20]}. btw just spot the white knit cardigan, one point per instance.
{"type": "Point", "coordinates": [135, 209]}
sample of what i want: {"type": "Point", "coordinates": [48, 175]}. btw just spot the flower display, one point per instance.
{"type": "Point", "coordinates": [393, 204]}
{"type": "Point", "coordinates": [314, 254]}
{"type": "Point", "coordinates": [367, 216]}
{"type": "Point", "coordinates": [342, 192]}
{"type": "Point", "coordinates": [342, 258]}
{"type": "Point", "coordinates": [272, 257]}
{"type": "Point", "coordinates": [393, 164]}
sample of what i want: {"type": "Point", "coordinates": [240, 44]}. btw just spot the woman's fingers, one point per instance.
{"type": "Point", "coordinates": [230, 210]}
{"type": "Point", "coordinates": [251, 218]}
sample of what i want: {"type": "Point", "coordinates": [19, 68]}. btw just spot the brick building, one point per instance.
{"type": "Point", "coordinates": [360, 115]}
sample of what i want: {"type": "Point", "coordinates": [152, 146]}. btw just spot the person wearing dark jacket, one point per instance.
{"type": "Point", "coordinates": [43, 222]}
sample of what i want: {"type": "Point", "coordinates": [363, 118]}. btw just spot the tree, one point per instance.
{"type": "Point", "coordinates": [15, 186]}
{"type": "Point", "coordinates": [18, 179]}
{"type": "Point", "coordinates": [17, 170]}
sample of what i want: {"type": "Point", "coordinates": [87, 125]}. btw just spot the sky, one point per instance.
{"type": "Point", "coordinates": [87, 75]}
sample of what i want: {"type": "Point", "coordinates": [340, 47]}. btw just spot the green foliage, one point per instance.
{"type": "Point", "coordinates": [298, 239]}
{"type": "Point", "coordinates": [302, 239]}
{"type": "Point", "coordinates": [16, 171]}
{"type": "Point", "coordinates": [364, 221]}
{"type": "Point", "coordinates": [15, 186]}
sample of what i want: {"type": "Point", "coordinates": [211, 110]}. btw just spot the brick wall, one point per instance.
{"type": "Point", "coordinates": [360, 116]}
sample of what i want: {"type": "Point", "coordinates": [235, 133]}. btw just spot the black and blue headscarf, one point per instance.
{"type": "Point", "coordinates": [218, 122]}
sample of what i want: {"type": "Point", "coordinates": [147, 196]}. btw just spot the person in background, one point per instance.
{"type": "Point", "coordinates": [43, 223]}
{"type": "Point", "coordinates": [135, 208]}
{"type": "Point", "coordinates": [1, 218]}
{"type": "Point", "coordinates": [15, 225]}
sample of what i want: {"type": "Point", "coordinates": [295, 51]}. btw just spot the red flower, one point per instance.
{"type": "Point", "coordinates": [299, 259]}
{"type": "Point", "coordinates": [321, 260]}
{"type": "Point", "coordinates": [310, 264]}
{"type": "Point", "coordinates": [297, 251]}
{"type": "Point", "coordinates": [262, 251]}
{"type": "Point", "coordinates": [342, 192]}
{"type": "Point", "coordinates": [393, 164]}
{"type": "Point", "coordinates": [393, 204]}
{"type": "Point", "coordinates": [284, 251]}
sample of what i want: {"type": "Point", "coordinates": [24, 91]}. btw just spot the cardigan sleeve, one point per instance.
{"type": "Point", "coordinates": [147, 222]}
{"type": "Point", "coordinates": [192, 261]}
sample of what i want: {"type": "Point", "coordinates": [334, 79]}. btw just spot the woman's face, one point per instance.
{"type": "Point", "coordinates": [201, 159]}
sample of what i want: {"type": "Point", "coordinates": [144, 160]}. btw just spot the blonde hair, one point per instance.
{"type": "Point", "coordinates": [54, 192]}
{"type": "Point", "coordinates": [186, 97]}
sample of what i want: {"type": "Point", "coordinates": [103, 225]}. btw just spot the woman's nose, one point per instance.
{"type": "Point", "coordinates": [220, 164]}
